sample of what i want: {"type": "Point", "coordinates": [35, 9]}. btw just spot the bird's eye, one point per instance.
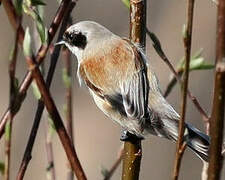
{"type": "Point", "coordinates": [76, 39]}
{"type": "Point", "coordinates": [79, 40]}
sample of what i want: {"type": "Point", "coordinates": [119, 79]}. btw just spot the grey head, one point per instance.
{"type": "Point", "coordinates": [84, 34]}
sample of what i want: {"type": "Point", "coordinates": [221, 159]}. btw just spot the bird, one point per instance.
{"type": "Point", "coordinates": [124, 86]}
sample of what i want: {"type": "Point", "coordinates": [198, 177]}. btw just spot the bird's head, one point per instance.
{"type": "Point", "coordinates": [82, 35]}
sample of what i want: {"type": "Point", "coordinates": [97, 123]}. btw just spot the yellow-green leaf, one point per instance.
{"type": "Point", "coordinates": [2, 167]}
{"type": "Point", "coordinates": [126, 3]}
{"type": "Point", "coordinates": [36, 91]}
{"type": "Point", "coordinates": [27, 43]}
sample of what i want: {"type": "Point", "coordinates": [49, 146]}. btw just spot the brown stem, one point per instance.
{"type": "Point", "coordinates": [39, 58]}
{"type": "Point", "coordinates": [54, 114]}
{"type": "Point", "coordinates": [13, 91]}
{"type": "Point", "coordinates": [159, 50]}
{"type": "Point", "coordinates": [217, 116]}
{"type": "Point", "coordinates": [132, 149]}
{"type": "Point", "coordinates": [115, 165]}
{"type": "Point", "coordinates": [49, 150]}
{"type": "Point", "coordinates": [187, 46]}
{"type": "Point", "coordinates": [7, 150]}
{"type": "Point", "coordinates": [40, 108]}
{"type": "Point", "coordinates": [13, 19]}
{"type": "Point", "coordinates": [68, 110]}
{"type": "Point", "coordinates": [172, 83]}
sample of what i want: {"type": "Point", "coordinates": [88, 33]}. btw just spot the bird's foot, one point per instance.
{"type": "Point", "coordinates": [127, 136]}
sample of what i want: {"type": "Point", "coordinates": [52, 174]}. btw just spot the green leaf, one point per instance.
{"type": "Point", "coordinates": [200, 64]}
{"type": "Point", "coordinates": [51, 129]}
{"type": "Point", "coordinates": [27, 43]}
{"type": "Point", "coordinates": [180, 64]}
{"type": "Point", "coordinates": [66, 78]}
{"type": "Point", "coordinates": [197, 62]}
{"type": "Point", "coordinates": [64, 109]}
{"type": "Point", "coordinates": [184, 31]}
{"type": "Point", "coordinates": [18, 6]}
{"type": "Point", "coordinates": [37, 16]}
{"type": "Point", "coordinates": [7, 131]}
{"type": "Point", "coordinates": [37, 3]}
{"type": "Point", "coordinates": [40, 10]}
{"type": "Point", "coordinates": [16, 83]}
{"type": "Point", "coordinates": [2, 167]}
{"type": "Point", "coordinates": [36, 91]}
{"type": "Point", "coordinates": [126, 3]}
{"type": "Point", "coordinates": [197, 54]}
{"type": "Point", "coordinates": [51, 124]}
{"type": "Point", "coordinates": [40, 28]}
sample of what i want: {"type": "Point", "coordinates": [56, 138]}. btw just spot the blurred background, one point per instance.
{"type": "Point", "coordinates": [96, 137]}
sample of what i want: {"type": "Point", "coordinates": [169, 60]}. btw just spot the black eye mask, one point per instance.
{"type": "Point", "coordinates": [75, 39]}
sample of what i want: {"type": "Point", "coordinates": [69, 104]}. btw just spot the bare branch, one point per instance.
{"type": "Point", "coordinates": [159, 50]}
{"type": "Point", "coordinates": [50, 170]}
{"type": "Point", "coordinates": [40, 108]}
{"type": "Point", "coordinates": [39, 58]}
{"type": "Point", "coordinates": [132, 149]}
{"type": "Point", "coordinates": [115, 165]}
{"type": "Point", "coordinates": [187, 46]}
{"type": "Point", "coordinates": [13, 91]}
{"type": "Point", "coordinates": [217, 117]}
{"type": "Point", "coordinates": [14, 19]}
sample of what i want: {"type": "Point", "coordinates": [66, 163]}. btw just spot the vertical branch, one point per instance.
{"type": "Point", "coordinates": [158, 48]}
{"type": "Point", "coordinates": [187, 46]}
{"type": "Point", "coordinates": [217, 117]}
{"type": "Point", "coordinates": [12, 94]}
{"type": "Point", "coordinates": [40, 108]}
{"type": "Point", "coordinates": [132, 149]}
{"type": "Point", "coordinates": [68, 107]}
{"type": "Point", "coordinates": [49, 130]}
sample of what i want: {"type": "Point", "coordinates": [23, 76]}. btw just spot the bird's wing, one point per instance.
{"type": "Point", "coordinates": [119, 76]}
{"type": "Point", "coordinates": [135, 90]}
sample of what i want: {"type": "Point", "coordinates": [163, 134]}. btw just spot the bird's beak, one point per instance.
{"type": "Point", "coordinates": [59, 43]}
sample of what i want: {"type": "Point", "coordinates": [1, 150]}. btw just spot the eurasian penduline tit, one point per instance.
{"type": "Point", "coordinates": [124, 86]}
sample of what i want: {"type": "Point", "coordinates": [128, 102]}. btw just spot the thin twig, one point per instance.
{"type": "Point", "coordinates": [67, 70]}
{"type": "Point", "coordinates": [39, 58]}
{"type": "Point", "coordinates": [133, 149]}
{"type": "Point", "coordinates": [13, 19]}
{"type": "Point", "coordinates": [40, 108]}
{"type": "Point", "coordinates": [171, 84]}
{"type": "Point", "coordinates": [187, 47]}
{"type": "Point", "coordinates": [13, 91]}
{"type": "Point", "coordinates": [159, 50]}
{"type": "Point", "coordinates": [217, 116]}
{"type": "Point", "coordinates": [115, 165]}
{"type": "Point", "coordinates": [49, 150]}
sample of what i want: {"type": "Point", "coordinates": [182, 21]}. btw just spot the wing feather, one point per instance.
{"type": "Point", "coordinates": [128, 92]}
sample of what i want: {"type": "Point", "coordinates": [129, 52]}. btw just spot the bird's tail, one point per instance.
{"type": "Point", "coordinates": [198, 142]}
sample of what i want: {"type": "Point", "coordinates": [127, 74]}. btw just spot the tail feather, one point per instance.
{"type": "Point", "coordinates": [198, 142]}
